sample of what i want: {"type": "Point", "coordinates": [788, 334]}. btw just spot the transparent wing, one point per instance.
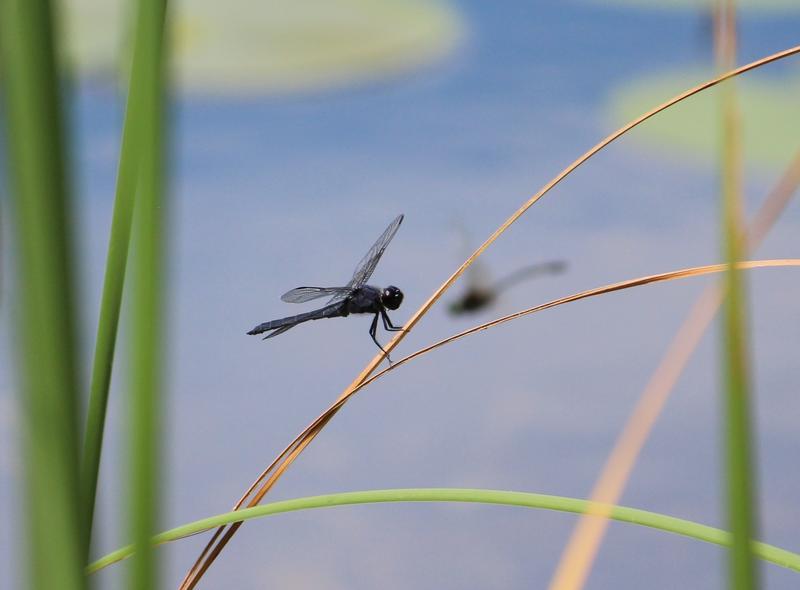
{"type": "Point", "coordinates": [367, 265]}
{"type": "Point", "coordinates": [303, 294]}
{"type": "Point", "coordinates": [552, 267]}
{"type": "Point", "coordinates": [477, 276]}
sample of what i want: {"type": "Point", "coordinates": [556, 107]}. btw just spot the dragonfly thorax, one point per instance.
{"type": "Point", "coordinates": [391, 297]}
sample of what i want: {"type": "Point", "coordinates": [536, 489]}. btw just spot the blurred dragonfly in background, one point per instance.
{"type": "Point", "coordinates": [482, 292]}
{"type": "Point", "coordinates": [480, 295]}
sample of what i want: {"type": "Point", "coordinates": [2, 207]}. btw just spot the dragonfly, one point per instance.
{"type": "Point", "coordinates": [355, 297]}
{"type": "Point", "coordinates": [480, 295]}
{"type": "Point", "coordinates": [482, 292]}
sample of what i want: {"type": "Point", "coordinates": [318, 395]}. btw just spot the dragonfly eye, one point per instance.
{"type": "Point", "coordinates": [392, 297]}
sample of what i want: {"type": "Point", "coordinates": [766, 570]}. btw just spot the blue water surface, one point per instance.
{"type": "Point", "coordinates": [273, 192]}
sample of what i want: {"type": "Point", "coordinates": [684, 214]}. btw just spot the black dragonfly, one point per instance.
{"type": "Point", "coordinates": [355, 297]}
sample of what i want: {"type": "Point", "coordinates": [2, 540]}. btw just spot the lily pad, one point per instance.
{"type": "Point", "coordinates": [241, 46]}
{"type": "Point", "coordinates": [770, 117]}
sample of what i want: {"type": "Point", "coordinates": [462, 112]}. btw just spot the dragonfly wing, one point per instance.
{"type": "Point", "coordinates": [303, 294]}
{"type": "Point", "coordinates": [477, 276]}
{"type": "Point", "coordinates": [341, 295]}
{"type": "Point", "coordinates": [367, 265]}
{"type": "Point", "coordinates": [530, 271]}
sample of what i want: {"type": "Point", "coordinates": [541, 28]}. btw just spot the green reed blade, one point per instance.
{"type": "Point", "coordinates": [739, 467]}
{"type": "Point", "coordinates": [46, 328]}
{"type": "Point", "coordinates": [653, 520]}
{"type": "Point", "coordinates": [146, 300]}
{"type": "Point", "coordinates": [116, 262]}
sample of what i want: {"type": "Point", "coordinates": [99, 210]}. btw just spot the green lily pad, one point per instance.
{"type": "Point", "coordinates": [770, 117]}
{"type": "Point", "coordinates": [240, 46]}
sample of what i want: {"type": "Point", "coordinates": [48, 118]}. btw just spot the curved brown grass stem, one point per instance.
{"type": "Point", "coordinates": [584, 543]}
{"type": "Point", "coordinates": [284, 460]}
{"type": "Point", "coordinates": [209, 553]}
{"type": "Point", "coordinates": [638, 282]}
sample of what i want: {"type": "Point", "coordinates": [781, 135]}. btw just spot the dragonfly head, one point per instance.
{"type": "Point", "coordinates": [391, 297]}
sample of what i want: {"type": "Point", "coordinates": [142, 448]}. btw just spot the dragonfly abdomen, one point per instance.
{"type": "Point", "coordinates": [281, 325]}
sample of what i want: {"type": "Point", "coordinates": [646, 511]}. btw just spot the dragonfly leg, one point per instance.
{"type": "Point", "coordinates": [372, 331]}
{"type": "Point", "coordinates": [387, 323]}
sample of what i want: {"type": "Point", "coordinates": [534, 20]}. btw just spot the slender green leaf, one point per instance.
{"type": "Point", "coordinates": [116, 261]}
{"type": "Point", "coordinates": [46, 330]}
{"type": "Point", "coordinates": [741, 474]}
{"type": "Point", "coordinates": [146, 308]}
{"type": "Point", "coordinates": [743, 572]}
{"type": "Point", "coordinates": [654, 520]}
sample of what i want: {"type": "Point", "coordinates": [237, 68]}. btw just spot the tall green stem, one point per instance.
{"type": "Point", "coordinates": [116, 261]}
{"type": "Point", "coordinates": [46, 330]}
{"type": "Point", "coordinates": [147, 308]}
{"type": "Point", "coordinates": [741, 503]}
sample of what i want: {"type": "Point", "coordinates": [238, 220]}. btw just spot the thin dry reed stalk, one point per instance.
{"type": "Point", "coordinates": [581, 550]}
{"type": "Point", "coordinates": [224, 534]}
